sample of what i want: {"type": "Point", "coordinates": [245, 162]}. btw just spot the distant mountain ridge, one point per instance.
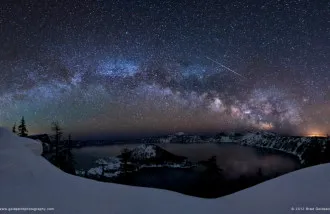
{"type": "Point", "coordinates": [309, 150]}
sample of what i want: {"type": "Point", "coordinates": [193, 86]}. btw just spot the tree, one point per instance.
{"type": "Point", "coordinates": [313, 154]}
{"type": "Point", "coordinates": [327, 152]}
{"type": "Point", "coordinates": [211, 178]}
{"type": "Point", "coordinates": [259, 173]}
{"type": "Point", "coordinates": [125, 155]}
{"type": "Point", "coordinates": [211, 165]}
{"type": "Point", "coordinates": [68, 147]}
{"type": "Point", "coordinates": [69, 140]}
{"type": "Point", "coordinates": [22, 131]}
{"type": "Point", "coordinates": [14, 128]}
{"type": "Point", "coordinates": [69, 159]}
{"type": "Point", "coordinates": [58, 134]}
{"type": "Point", "coordinates": [63, 152]}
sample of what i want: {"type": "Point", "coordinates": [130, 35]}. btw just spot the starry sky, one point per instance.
{"type": "Point", "coordinates": [119, 68]}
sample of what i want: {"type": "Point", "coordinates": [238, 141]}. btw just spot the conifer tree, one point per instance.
{"type": "Point", "coordinates": [125, 155]}
{"type": "Point", "coordinates": [14, 128]}
{"type": "Point", "coordinates": [58, 134]}
{"type": "Point", "coordinates": [22, 131]}
{"type": "Point", "coordinates": [69, 159]}
{"type": "Point", "coordinates": [63, 155]}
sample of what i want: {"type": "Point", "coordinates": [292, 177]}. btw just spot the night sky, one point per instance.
{"type": "Point", "coordinates": [130, 68]}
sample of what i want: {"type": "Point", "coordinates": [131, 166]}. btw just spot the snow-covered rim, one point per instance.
{"type": "Point", "coordinates": [34, 182]}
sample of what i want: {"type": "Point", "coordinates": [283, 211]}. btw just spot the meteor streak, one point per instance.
{"type": "Point", "coordinates": [224, 67]}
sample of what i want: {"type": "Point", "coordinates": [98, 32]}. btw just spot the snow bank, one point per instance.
{"type": "Point", "coordinates": [29, 181]}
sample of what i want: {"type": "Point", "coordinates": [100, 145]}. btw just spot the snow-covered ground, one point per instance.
{"type": "Point", "coordinates": [29, 181]}
{"type": "Point", "coordinates": [107, 164]}
{"type": "Point", "coordinates": [144, 152]}
{"type": "Point", "coordinates": [111, 165]}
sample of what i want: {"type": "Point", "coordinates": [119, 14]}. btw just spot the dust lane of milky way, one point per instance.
{"type": "Point", "coordinates": [142, 67]}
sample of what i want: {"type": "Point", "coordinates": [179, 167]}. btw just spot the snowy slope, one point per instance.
{"type": "Point", "coordinates": [28, 180]}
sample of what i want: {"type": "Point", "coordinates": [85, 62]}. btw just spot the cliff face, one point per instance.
{"type": "Point", "coordinates": [292, 145]}
{"type": "Point", "coordinates": [309, 150]}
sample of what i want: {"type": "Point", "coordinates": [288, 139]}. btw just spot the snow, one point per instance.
{"type": "Point", "coordinates": [169, 165]}
{"type": "Point", "coordinates": [101, 161]}
{"type": "Point", "coordinates": [270, 140]}
{"type": "Point", "coordinates": [111, 174]}
{"type": "Point", "coordinates": [165, 140]}
{"type": "Point", "coordinates": [179, 134]}
{"type": "Point", "coordinates": [252, 137]}
{"type": "Point", "coordinates": [95, 171]}
{"type": "Point", "coordinates": [226, 139]}
{"type": "Point", "coordinates": [144, 151]}
{"type": "Point", "coordinates": [29, 181]}
{"type": "Point", "coordinates": [111, 163]}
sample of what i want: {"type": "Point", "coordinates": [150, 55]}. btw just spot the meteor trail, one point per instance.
{"type": "Point", "coordinates": [224, 66]}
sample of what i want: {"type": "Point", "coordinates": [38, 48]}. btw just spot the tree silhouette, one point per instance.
{"type": "Point", "coordinates": [259, 172]}
{"type": "Point", "coordinates": [211, 165]}
{"type": "Point", "coordinates": [211, 178]}
{"type": "Point", "coordinates": [14, 128]}
{"type": "Point", "coordinates": [69, 139]}
{"type": "Point", "coordinates": [313, 154]}
{"type": "Point", "coordinates": [125, 155]}
{"type": "Point", "coordinates": [22, 131]}
{"type": "Point", "coordinates": [58, 134]}
{"type": "Point", "coordinates": [63, 152]}
{"type": "Point", "coordinates": [69, 159]}
{"type": "Point", "coordinates": [327, 152]}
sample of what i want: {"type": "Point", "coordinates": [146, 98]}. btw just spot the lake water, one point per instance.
{"type": "Point", "coordinates": [235, 161]}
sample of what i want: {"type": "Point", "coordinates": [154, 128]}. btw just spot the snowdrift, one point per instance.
{"type": "Point", "coordinates": [29, 181]}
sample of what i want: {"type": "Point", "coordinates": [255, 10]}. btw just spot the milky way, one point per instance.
{"type": "Point", "coordinates": [127, 68]}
